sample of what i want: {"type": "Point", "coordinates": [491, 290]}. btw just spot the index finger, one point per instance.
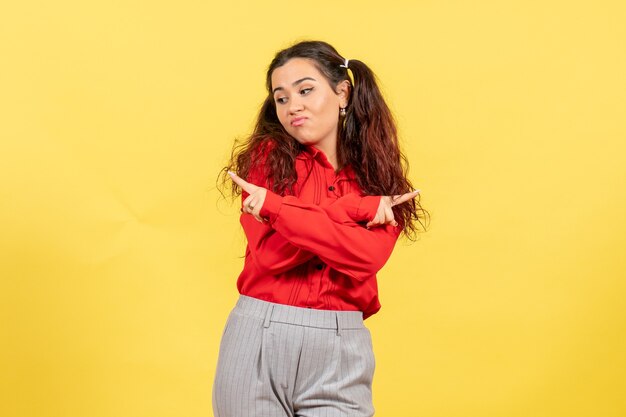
{"type": "Point", "coordinates": [245, 185]}
{"type": "Point", "coordinates": [399, 199]}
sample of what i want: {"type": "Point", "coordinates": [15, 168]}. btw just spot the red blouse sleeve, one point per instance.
{"type": "Point", "coordinates": [345, 246]}
{"type": "Point", "coordinates": [274, 254]}
{"type": "Point", "coordinates": [351, 208]}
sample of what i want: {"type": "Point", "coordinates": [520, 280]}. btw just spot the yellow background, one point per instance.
{"type": "Point", "coordinates": [118, 259]}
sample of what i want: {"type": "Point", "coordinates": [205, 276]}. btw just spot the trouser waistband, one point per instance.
{"type": "Point", "coordinates": [301, 316]}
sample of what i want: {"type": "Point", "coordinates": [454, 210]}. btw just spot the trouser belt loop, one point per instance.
{"type": "Point", "coordinates": [338, 324]}
{"type": "Point", "coordinates": [268, 316]}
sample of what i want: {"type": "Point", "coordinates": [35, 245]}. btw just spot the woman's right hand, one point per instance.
{"type": "Point", "coordinates": [253, 203]}
{"type": "Point", "coordinates": [384, 214]}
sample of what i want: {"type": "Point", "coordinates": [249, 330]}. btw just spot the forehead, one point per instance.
{"type": "Point", "coordinates": [294, 70]}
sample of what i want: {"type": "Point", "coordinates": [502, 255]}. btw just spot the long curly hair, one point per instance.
{"type": "Point", "coordinates": [367, 138]}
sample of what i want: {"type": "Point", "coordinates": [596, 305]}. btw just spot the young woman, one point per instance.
{"type": "Point", "coordinates": [324, 199]}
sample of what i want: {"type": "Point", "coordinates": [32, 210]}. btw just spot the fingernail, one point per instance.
{"type": "Point", "coordinates": [416, 191]}
{"type": "Point", "coordinates": [231, 173]}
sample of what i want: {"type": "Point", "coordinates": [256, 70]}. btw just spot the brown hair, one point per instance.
{"type": "Point", "coordinates": [368, 140]}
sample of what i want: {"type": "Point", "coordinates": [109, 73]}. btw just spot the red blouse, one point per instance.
{"type": "Point", "coordinates": [315, 251]}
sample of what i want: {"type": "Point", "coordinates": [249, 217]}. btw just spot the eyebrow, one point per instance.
{"type": "Point", "coordinates": [294, 83]}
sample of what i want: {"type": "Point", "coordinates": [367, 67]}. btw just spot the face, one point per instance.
{"type": "Point", "coordinates": [306, 105]}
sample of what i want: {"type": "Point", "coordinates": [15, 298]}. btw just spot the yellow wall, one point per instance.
{"type": "Point", "coordinates": [118, 260]}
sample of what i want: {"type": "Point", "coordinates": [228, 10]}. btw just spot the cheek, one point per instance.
{"type": "Point", "coordinates": [327, 108]}
{"type": "Point", "coordinates": [330, 116]}
{"type": "Point", "coordinates": [282, 116]}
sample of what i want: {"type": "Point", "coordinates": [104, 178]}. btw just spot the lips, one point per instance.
{"type": "Point", "coordinates": [298, 121]}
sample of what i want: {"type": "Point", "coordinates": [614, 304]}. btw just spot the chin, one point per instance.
{"type": "Point", "coordinates": [308, 142]}
{"type": "Point", "coordinates": [304, 140]}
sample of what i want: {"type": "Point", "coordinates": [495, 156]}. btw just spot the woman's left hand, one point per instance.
{"type": "Point", "coordinates": [384, 214]}
{"type": "Point", "coordinates": [253, 203]}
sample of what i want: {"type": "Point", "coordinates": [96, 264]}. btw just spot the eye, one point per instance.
{"type": "Point", "coordinates": [303, 92]}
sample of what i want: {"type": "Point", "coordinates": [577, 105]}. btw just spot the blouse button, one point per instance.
{"type": "Point", "coordinates": [319, 267]}
{"type": "Point", "coordinates": [331, 188]}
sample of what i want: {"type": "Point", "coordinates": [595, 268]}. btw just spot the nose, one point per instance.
{"type": "Point", "coordinates": [295, 105]}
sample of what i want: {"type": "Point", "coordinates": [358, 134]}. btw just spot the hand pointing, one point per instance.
{"type": "Point", "coordinates": [253, 203]}
{"type": "Point", "coordinates": [384, 214]}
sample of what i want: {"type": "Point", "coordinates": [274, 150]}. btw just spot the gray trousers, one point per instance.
{"type": "Point", "coordinates": [277, 360]}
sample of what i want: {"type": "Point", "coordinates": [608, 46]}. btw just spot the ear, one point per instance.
{"type": "Point", "coordinates": [343, 91]}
